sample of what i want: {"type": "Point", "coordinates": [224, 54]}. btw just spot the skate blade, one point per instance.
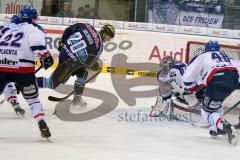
{"type": "Point", "coordinates": [234, 141]}
{"type": "Point", "coordinates": [76, 109]}
{"type": "Point", "coordinates": [46, 140]}
{"type": "Point", "coordinates": [20, 115]}
{"type": "Point", "coordinates": [49, 140]}
{"type": "Point", "coordinates": [214, 137]}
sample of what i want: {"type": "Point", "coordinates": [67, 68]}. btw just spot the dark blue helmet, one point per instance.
{"type": "Point", "coordinates": [28, 14]}
{"type": "Point", "coordinates": [212, 46]}
{"type": "Point", "coordinates": [16, 19]}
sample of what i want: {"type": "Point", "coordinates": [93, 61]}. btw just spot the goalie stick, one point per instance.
{"type": "Point", "coordinates": [57, 99]}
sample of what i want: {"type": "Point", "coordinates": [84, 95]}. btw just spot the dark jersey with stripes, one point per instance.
{"type": "Point", "coordinates": [81, 41]}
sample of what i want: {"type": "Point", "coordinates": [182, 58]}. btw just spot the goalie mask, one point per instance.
{"type": "Point", "coordinates": [165, 64]}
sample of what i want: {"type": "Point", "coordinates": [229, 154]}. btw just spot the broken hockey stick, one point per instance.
{"type": "Point", "coordinates": [57, 99]}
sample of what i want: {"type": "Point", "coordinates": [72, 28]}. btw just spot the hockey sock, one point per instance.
{"type": "Point", "coordinates": [44, 82]}
{"type": "Point", "coordinates": [36, 108]}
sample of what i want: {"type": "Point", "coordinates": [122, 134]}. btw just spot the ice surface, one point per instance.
{"type": "Point", "coordinates": [114, 136]}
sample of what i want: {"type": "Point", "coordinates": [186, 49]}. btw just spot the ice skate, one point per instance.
{"type": "Point", "coordinates": [214, 134]}
{"type": "Point", "coordinates": [18, 110]}
{"type": "Point", "coordinates": [232, 133]}
{"type": "Point", "coordinates": [78, 104]}
{"type": "Point", "coordinates": [45, 132]}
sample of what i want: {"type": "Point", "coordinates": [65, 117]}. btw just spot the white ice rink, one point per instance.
{"type": "Point", "coordinates": [110, 137]}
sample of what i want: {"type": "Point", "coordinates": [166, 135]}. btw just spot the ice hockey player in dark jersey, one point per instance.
{"type": "Point", "coordinates": [80, 45]}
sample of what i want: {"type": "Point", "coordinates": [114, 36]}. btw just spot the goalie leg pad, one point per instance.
{"type": "Point", "coordinates": [158, 107]}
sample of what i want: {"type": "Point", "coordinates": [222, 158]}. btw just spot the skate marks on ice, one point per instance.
{"type": "Point", "coordinates": [125, 140]}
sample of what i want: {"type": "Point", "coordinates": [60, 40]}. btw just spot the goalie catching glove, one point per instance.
{"type": "Point", "coordinates": [46, 60]}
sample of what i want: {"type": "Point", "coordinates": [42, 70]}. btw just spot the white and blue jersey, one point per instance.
{"type": "Point", "coordinates": [202, 68]}
{"type": "Point", "coordinates": [83, 42]}
{"type": "Point", "coordinates": [175, 74]}
{"type": "Point", "coordinates": [236, 63]}
{"type": "Point", "coordinates": [19, 45]}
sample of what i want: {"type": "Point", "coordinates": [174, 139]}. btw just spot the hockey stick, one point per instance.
{"type": "Point", "coordinates": [231, 108]}
{"type": "Point", "coordinates": [38, 69]}
{"type": "Point", "coordinates": [56, 99]}
{"type": "Point", "coordinates": [238, 125]}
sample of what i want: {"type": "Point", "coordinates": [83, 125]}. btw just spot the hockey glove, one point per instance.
{"type": "Point", "coordinates": [46, 60]}
{"type": "Point", "coordinates": [60, 45]}
{"type": "Point", "coordinates": [200, 93]}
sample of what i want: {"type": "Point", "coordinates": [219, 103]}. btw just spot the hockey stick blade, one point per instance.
{"type": "Point", "coordinates": [57, 99]}
{"type": "Point", "coordinates": [230, 109]}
